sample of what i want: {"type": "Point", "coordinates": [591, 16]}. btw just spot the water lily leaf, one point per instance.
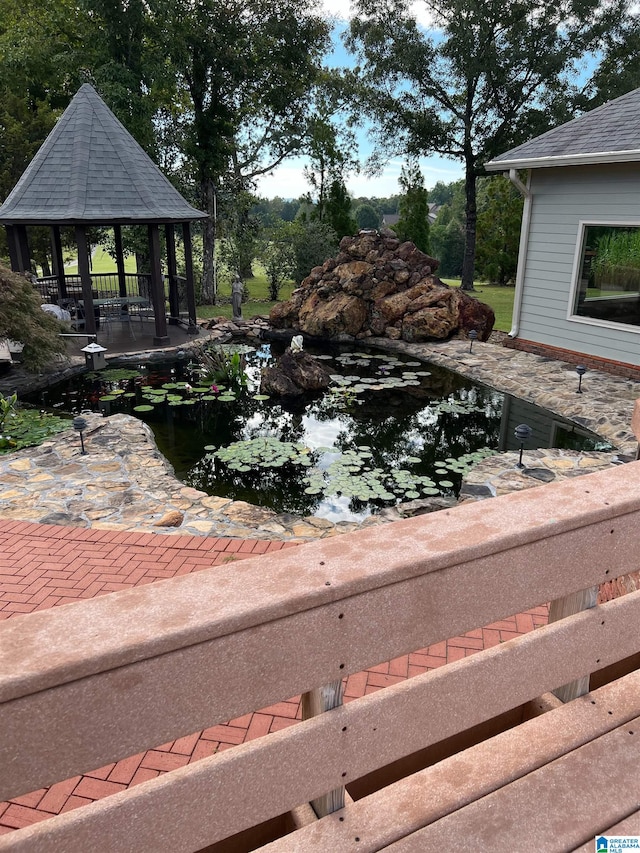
{"type": "Point", "coordinates": [261, 397]}
{"type": "Point", "coordinates": [447, 484]}
{"type": "Point", "coordinates": [143, 408]}
{"type": "Point", "coordinates": [108, 398]}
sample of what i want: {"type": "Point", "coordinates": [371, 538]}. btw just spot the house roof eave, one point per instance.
{"type": "Point", "coordinates": [591, 159]}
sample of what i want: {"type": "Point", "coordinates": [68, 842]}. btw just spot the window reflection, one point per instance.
{"type": "Point", "coordinates": [609, 274]}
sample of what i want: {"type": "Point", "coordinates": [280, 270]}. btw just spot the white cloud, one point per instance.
{"type": "Point", "coordinates": [288, 181]}
{"type": "Point", "coordinates": [342, 10]}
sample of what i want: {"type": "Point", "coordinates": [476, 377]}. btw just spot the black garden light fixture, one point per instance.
{"type": "Point", "coordinates": [580, 370]}
{"type": "Point", "coordinates": [473, 336]}
{"type": "Point", "coordinates": [523, 432]}
{"type": "Point", "coordinates": [80, 424]}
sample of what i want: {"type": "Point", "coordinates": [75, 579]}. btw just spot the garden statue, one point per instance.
{"type": "Point", "coordinates": [237, 292]}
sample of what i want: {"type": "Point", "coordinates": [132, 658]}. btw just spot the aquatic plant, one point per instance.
{"type": "Point", "coordinates": [22, 427]}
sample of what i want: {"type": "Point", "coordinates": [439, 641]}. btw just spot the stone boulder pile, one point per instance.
{"type": "Point", "coordinates": [379, 286]}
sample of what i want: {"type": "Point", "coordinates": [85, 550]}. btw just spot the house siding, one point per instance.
{"type": "Point", "coordinates": [561, 199]}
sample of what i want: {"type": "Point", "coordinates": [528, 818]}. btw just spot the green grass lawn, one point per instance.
{"type": "Point", "coordinates": [101, 262]}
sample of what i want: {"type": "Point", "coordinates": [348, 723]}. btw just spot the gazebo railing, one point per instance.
{"type": "Point", "coordinates": [103, 285]}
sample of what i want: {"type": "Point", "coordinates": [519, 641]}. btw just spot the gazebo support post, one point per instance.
{"type": "Point", "coordinates": [14, 253]}
{"type": "Point", "coordinates": [58, 261]}
{"type": "Point", "coordinates": [18, 248]}
{"type": "Point", "coordinates": [157, 288]}
{"type": "Point", "coordinates": [85, 278]}
{"type": "Point", "coordinates": [122, 279]}
{"type": "Point", "coordinates": [174, 301]}
{"type": "Point", "coordinates": [191, 293]}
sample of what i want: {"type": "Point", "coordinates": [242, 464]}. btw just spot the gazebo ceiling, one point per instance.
{"type": "Point", "coordinates": [90, 170]}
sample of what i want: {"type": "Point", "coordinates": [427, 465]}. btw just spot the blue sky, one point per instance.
{"type": "Point", "coordinates": [288, 181]}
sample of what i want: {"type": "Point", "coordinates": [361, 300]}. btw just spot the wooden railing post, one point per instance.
{"type": "Point", "coordinates": [317, 702]}
{"type": "Point", "coordinates": [584, 599]}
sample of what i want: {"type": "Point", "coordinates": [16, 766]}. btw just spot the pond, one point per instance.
{"type": "Point", "coordinates": [388, 429]}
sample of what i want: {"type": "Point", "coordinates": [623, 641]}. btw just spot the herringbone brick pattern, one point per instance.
{"type": "Point", "coordinates": [45, 566]}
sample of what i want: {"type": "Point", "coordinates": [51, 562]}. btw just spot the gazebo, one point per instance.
{"type": "Point", "coordinates": [91, 172]}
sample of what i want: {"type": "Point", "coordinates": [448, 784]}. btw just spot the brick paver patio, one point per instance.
{"type": "Point", "coordinates": [45, 566]}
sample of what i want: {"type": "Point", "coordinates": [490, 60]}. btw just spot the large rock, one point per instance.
{"type": "Point", "coordinates": [294, 373]}
{"type": "Point", "coordinates": [378, 285]}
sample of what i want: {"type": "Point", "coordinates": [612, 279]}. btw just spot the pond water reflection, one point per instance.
{"type": "Point", "coordinates": [388, 429]}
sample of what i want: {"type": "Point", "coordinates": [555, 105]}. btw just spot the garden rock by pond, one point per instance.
{"type": "Point", "coordinates": [378, 285]}
{"type": "Point", "coordinates": [294, 374]}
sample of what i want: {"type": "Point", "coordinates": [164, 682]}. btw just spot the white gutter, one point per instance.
{"type": "Point", "coordinates": [592, 159]}
{"type": "Point", "coordinates": [524, 245]}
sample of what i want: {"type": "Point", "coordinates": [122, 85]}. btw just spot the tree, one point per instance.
{"type": "Point", "coordinates": [338, 210]}
{"type": "Point", "coordinates": [47, 50]}
{"type": "Point", "coordinates": [330, 147]}
{"type": "Point", "coordinates": [447, 232]}
{"type": "Point", "coordinates": [246, 69]}
{"type": "Point", "coordinates": [22, 319]}
{"type": "Point", "coordinates": [240, 228]}
{"type": "Point", "coordinates": [367, 216]}
{"type": "Point", "coordinates": [414, 207]}
{"type": "Point", "coordinates": [277, 258]}
{"type": "Point", "coordinates": [499, 219]}
{"type": "Point", "coordinates": [312, 243]}
{"type": "Point", "coordinates": [484, 79]}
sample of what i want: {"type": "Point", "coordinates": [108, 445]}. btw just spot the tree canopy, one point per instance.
{"type": "Point", "coordinates": [487, 76]}
{"type": "Point", "coordinates": [414, 207]}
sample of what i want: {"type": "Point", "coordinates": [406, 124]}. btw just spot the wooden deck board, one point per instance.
{"type": "Point", "coordinates": [436, 797]}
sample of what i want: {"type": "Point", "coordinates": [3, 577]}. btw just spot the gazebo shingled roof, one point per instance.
{"type": "Point", "coordinates": [91, 171]}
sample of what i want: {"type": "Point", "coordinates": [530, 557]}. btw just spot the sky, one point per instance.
{"type": "Point", "coordinates": [287, 181]}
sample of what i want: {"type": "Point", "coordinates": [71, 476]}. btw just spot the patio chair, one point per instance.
{"type": "Point", "coordinates": [112, 312]}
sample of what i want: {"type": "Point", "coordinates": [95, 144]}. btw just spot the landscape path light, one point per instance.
{"type": "Point", "coordinates": [580, 370]}
{"type": "Point", "coordinates": [80, 424]}
{"type": "Point", "coordinates": [473, 336]}
{"type": "Point", "coordinates": [523, 433]}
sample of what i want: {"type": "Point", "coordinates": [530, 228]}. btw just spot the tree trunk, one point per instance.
{"type": "Point", "coordinates": [209, 284]}
{"type": "Point", "coordinates": [469, 259]}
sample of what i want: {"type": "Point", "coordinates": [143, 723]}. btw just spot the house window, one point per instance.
{"type": "Point", "coordinates": [608, 286]}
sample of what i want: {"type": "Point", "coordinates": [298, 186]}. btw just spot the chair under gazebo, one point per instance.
{"type": "Point", "coordinates": [91, 172]}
